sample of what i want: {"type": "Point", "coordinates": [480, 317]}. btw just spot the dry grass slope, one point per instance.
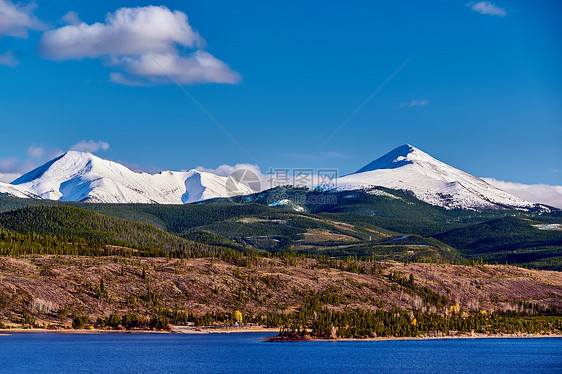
{"type": "Point", "coordinates": [51, 288]}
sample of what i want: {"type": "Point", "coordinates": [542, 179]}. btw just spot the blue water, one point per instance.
{"type": "Point", "coordinates": [246, 353]}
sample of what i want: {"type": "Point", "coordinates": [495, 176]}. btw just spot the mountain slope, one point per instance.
{"type": "Point", "coordinates": [379, 223]}
{"type": "Point", "coordinates": [69, 224]}
{"type": "Point", "coordinates": [515, 240]}
{"type": "Point", "coordinates": [80, 176]}
{"type": "Point", "coordinates": [15, 191]}
{"type": "Point", "coordinates": [408, 168]}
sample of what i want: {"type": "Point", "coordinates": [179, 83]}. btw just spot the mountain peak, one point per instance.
{"type": "Point", "coordinates": [68, 163]}
{"type": "Point", "coordinates": [398, 157]}
{"type": "Point", "coordinates": [430, 180]}
{"type": "Point", "coordinates": [73, 153]}
{"type": "Point", "coordinates": [82, 176]}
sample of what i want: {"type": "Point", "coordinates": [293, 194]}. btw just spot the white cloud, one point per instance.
{"type": "Point", "coordinates": [146, 43]}
{"type": "Point", "coordinates": [198, 67]}
{"type": "Point", "coordinates": [9, 177]}
{"type": "Point", "coordinates": [12, 168]}
{"type": "Point", "coordinates": [486, 7]}
{"type": "Point", "coordinates": [7, 165]}
{"type": "Point", "coordinates": [8, 59]}
{"type": "Point", "coordinates": [17, 19]}
{"type": "Point", "coordinates": [90, 146]}
{"type": "Point", "coordinates": [71, 18]}
{"type": "Point", "coordinates": [535, 193]}
{"type": "Point", "coordinates": [126, 81]}
{"type": "Point", "coordinates": [128, 31]}
{"type": "Point", "coordinates": [36, 152]}
{"type": "Point", "coordinates": [414, 103]}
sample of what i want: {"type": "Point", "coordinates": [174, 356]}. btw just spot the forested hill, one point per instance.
{"type": "Point", "coordinates": [379, 224]}
{"type": "Point", "coordinates": [65, 225]}
{"type": "Point", "coordinates": [512, 239]}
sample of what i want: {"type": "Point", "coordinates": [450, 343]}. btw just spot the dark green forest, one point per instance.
{"type": "Point", "coordinates": [75, 231]}
{"type": "Point", "coordinates": [386, 224]}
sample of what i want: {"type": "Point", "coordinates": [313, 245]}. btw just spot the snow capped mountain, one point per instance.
{"type": "Point", "coordinates": [430, 180]}
{"type": "Point", "coordinates": [81, 176]}
{"type": "Point", "coordinates": [6, 188]}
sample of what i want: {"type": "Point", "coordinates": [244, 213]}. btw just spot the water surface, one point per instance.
{"type": "Point", "coordinates": [246, 353]}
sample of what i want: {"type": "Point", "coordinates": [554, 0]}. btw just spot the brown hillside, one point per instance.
{"type": "Point", "coordinates": [51, 288]}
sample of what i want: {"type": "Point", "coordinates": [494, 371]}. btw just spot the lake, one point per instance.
{"type": "Point", "coordinates": [246, 353]}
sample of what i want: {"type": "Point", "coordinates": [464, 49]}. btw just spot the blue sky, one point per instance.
{"type": "Point", "coordinates": [482, 90]}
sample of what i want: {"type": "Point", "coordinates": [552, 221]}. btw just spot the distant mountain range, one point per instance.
{"type": "Point", "coordinates": [80, 176]}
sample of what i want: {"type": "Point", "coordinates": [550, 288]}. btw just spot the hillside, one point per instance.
{"type": "Point", "coordinates": [267, 228]}
{"type": "Point", "coordinates": [377, 223]}
{"type": "Point", "coordinates": [329, 273]}
{"type": "Point", "coordinates": [509, 239]}
{"type": "Point", "coordinates": [51, 289]}
{"type": "Point", "coordinates": [29, 229]}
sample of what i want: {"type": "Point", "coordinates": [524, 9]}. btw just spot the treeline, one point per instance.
{"type": "Point", "coordinates": [359, 323]}
{"type": "Point", "coordinates": [321, 322]}
{"type": "Point", "coordinates": [317, 321]}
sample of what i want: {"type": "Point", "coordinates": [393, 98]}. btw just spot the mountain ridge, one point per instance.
{"type": "Point", "coordinates": [81, 176]}
{"type": "Point", "coordinates": [84, 177]}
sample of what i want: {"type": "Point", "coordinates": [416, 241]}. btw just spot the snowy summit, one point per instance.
{"type": "Point", "coordinates": [430, 180]}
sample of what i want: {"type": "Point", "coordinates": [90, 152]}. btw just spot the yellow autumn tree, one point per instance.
{"type": "Point", "coordinates": [237, 316]}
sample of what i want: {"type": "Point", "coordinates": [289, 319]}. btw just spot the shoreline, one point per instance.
{"type": "Point", "coordinates": [446, 337]}
{"type": "Point", "coordinates": [190, 330]}
{"type": "Point", "coordinates": [176, 330]}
